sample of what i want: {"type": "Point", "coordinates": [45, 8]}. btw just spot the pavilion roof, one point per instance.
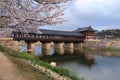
{"type": "Point", "coordinates": [62, 33]}
{"type": "Point", "coordinates": [89, 28]}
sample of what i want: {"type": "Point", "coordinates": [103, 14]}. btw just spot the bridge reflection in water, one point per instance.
{"type": "Point", "coordinates": [64, 55]}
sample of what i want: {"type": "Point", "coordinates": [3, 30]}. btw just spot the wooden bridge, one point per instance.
{"type": "Point", "coordinates": [61, 39]}
{"type": "Point", "coordinates": [49, 36]}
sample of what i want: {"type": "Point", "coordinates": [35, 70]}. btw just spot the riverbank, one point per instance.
{"type": "Point", "coordinates": [110, 45]}
{"type": "Point", "coordinates": [12, 68]}
{"type": "Point", "coordinates": [25, 56]}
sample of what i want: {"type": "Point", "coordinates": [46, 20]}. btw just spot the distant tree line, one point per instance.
{"type": "Point", "coordinates": [110, 32]}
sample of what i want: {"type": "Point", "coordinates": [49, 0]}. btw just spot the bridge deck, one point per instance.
{"type": "Point", "coordinates": [49, 39]}
{"type": "Point", "coordinates": [49, 36]}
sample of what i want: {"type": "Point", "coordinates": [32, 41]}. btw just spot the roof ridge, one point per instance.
{"type": "Point", "coordinates": [55, 30]}
{"type": "Point", "coordinates": [85, 27]}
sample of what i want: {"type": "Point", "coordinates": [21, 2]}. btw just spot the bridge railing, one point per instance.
{"type": "Point", "coordinates": [45, 37]}
{"type": "Point", "coordinates": [33, 35]}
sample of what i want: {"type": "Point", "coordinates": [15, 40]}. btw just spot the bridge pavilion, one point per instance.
{"type": "Point", "coordinates": [71, 39]}
{"type": "Point", "coordinates": [87, 31]}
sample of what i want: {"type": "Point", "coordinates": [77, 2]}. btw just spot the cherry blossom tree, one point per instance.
{"type": "Point", "coordinates": [29, 15]}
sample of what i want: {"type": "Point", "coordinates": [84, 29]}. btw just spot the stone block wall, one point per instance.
{"type": "Point", "coordinates": [102, 44]}
{"type": "Point", "coordinates": [9, 42]}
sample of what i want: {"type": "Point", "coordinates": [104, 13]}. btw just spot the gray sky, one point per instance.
{"type": "Point", "coordinates": [100, 14]}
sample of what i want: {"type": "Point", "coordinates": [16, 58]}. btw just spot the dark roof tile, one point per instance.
{"type": "Point", "coordinates": [62, 33]}
{"type": "Point", "coordinates": [84, 29]}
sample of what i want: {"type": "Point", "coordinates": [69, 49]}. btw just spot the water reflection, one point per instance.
{"type": "Point", "coordinates": [105, 53]}
{"type": "Point", "coordinates": [95, 65]}
{"type": "Point", "coordinates": [39, 51]}
{"type": "Point", "coordinates": [63, 55]}
{"type": "Point", "coordinates": [80, 50]}
{"type": "Point", "coordinates": [58, 58]}
{"type": "Point", "coordinates": [45, 51]}
{"type": "Point", "coordinates": [69, 51]}
{"type": "Point", "coordinates": [58, 51]}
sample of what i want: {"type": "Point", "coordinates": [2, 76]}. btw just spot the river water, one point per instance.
{"type": "Point", "coordinates": [104, 66]}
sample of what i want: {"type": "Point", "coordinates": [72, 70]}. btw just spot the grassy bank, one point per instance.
{"type": "Point", "coordinates": [23, 55]}
{"type": "Point", "coordinates": [113, 49]}
{"type": "Point", "coordinates": [26, 71]}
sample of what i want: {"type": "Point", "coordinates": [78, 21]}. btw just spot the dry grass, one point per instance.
{"type": "Point", "coordinates": [27, 71]}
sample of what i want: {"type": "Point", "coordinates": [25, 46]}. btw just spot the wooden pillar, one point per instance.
{"type": "Point", "coordinates": [30, 47]}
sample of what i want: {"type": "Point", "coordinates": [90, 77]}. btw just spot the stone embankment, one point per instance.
{"type": "Point", "coordinates": [9, 42]}
{"type": "Point", "coordinates": [48, 72]}
{"type": "Point", "coordinates": [102, 44]}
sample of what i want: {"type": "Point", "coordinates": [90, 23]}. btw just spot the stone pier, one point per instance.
{"type": "Point", "coordinates": [58, 48]}
{"type": "Point", "coordinates": [69, 45]}
{"type": "Point", "coordinates": [78, 48]}
{"type": "Point", "coordinates": [46, 47]}
{"type": "Point", "coordinates": [30, 47]}
{"type": "Point", "coordinates": [78, 51]}
{"type": "Point", "coordinates": [69, 51]}
{"type": "Point", "coordinates": [69, 48]}
{"type": "Point", "coordinates": [78, 45]}
{"type": "Point", "coordinates": [45, 51]}
{"type": "Point", "coordinates": [59, 51]}
{"type": "Point", "coordinates": [58, 45]}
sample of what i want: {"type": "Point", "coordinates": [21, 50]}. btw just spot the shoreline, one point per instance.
{"type": "Point", "coordinates": [14, 68]}
{"type": "Point", "coordinates": [25, 56]}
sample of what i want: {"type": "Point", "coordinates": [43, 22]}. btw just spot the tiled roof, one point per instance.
{"type": "Point", "coordinates": [62, 33]}
{"type": "Point", "coordinates": [84, 29]}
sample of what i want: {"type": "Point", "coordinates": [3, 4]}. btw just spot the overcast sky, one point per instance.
{"type": "Point", "coordinates": [100, 14]}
